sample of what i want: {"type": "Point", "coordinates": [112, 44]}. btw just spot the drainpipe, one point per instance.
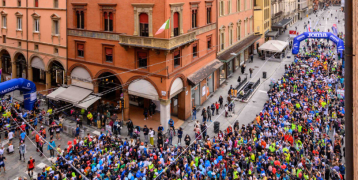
{"type": "Point", "coordinates": [348, 80]}
{"type": "Point", "coordinates": [27, 37]}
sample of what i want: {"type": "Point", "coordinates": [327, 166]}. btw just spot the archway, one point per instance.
{"type": "Point", "coordinates": [6, 64]}
{"type": "Point", "coordinates": [107, 81]}
{"type": "Point", "coordinates": [318, 35]}
{"type": "Point", "coordinates": [38, 70]}
{"type": "Point", "coordinates": [55, 73]}
{"type": "Point", "coordinates": [21, 65]}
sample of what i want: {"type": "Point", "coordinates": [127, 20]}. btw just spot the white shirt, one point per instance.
{"type": "Point", "coordinates": [11, 135]}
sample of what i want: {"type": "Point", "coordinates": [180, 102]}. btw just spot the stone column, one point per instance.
{"type": "Point", "coordinates": [164, 113]}
{"type": "Point", "coordinates": [13, 68]}
{"type": "Point", "coordinates": [126, 104]}
{"type": "Point", "coordinates": [29, 73]}
{"type": "Point", "coordinates": [48, 80]}
{"type": "Point", "coordinates": [95, 87]}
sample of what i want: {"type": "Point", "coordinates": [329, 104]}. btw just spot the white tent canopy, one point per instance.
{"type": "Point", "coordinates": [144, 89]}
{"type": "Point", "coordinates": [177, 87]}
{"type": "Point", "coordinates": [273, 46]}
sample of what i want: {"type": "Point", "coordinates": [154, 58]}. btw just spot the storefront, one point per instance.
{"type": "Point", "coordinates": [195, 95]}
{"type": "Point", "coordinates": [38, 70]}
{"type": "Point", "coordinates": [230, 68]}
{"type": "Point", "coordinates": [222, 72]}
{"type": "Point", "coordinates": [210, 83]}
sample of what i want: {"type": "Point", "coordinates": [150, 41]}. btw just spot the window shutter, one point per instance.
{"type": "Point", "coordinates": [105, 16]}
{"type": "Point", "coordinates": [109, 51]}
{"type": "Point", "coordinates": [111, 16]}
{"type": "Point", "coordinates": [142, 55]}
{"type": "Point", "coordinates": [36, 3]}
{"type": "Point", "coordinates": [176, 53]}
{"type": "Point", "coordinates": [143, 18]}
{"type": "Point", "coordinates": [209, 39]}
{"type": "Point", "coordinates": [194, 45]}
{"type": "Point", "coordinates": [176, 20]}
{"type": "Point", "coordinates": [80, 47]}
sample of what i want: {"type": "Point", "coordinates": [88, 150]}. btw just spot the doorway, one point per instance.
{"type": "Point", "coordinates": [210, 81]}
{"type": "Point", "coordinates": [174, 106]}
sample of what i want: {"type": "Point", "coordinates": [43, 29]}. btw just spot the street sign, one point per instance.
{"type": "Point", "coordinates": [293, 33]}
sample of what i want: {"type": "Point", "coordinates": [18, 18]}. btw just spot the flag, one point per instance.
{"type": "Point", "coordinates": [334, 29]}
{"type": "Point", "coordinates": [163, 27]}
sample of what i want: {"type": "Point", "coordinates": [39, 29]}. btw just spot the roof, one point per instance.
{"type": "Point", "coordinates": [238, 47]}
{"type": "Point", "coordinates": [204, 72]}
{"type": "Point", "coordinates": [272, 34]}
{"type": "Point", "coordinates": [282, 23]}
{"type": "Point", "coordinates": [274, 46]}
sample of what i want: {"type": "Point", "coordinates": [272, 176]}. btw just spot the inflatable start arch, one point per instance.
{"type": "Point", "coordinates": [25, 86]}
{"type": "Point", "coordinates": [317, 35]}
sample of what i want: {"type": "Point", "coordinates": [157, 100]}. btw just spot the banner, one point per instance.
{"type": "Point", "coordinates": [293, 33]}
{"type": "Point", "coordinates": [334, 29]}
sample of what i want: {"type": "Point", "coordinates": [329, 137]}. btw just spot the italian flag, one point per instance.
{"type": "Point", "coordinates": [163, 27]}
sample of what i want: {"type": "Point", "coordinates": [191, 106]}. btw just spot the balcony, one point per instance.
{"type": "Point", "coordinates": [277, 15]}
{"type": "Point", "coordinates": [156, 43]}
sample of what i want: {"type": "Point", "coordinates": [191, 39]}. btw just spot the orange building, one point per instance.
{"type": "Point", "coordinates": [113, 44]}
{"type": "Point", "coordinates": [33, 41]}
{"type": "Point", "coordinates": [236, 36]}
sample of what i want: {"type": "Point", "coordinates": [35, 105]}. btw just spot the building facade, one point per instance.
{"type": "Point", "coordinates": [33, 41]}
{"type": "Point", "coordinates": [291, 11]}
{"type": "Point", "coordinates": [279, 21]}
{"type": "Point", "coordinates": [113, 44]}
{"type": "Point", "coordinates": [262, 19]}
{"type": "Point", "coordinates": [310, 6]}
{"type": "Point", "coordinates": [236, 38]}
{"type": "Point", "coordinates": [302, 7]}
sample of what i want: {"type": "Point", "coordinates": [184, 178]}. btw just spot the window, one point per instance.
{"type": "Point", "coordinates": [80, 50]}
{"type": "Point", "coordinates": [3, 38]}
{"type": "Point", "coordinates": [222, 41]}
{"type": "Point", "coordinates": [238, 33]}
{"type": "Point", "coordinates": [55, 3]}
{"type": "Point", "coordinates": [177, 58]}
{"type": "Point", "coordinates": [36, 47]}
{"type": "Point", "coordinates": [238, 5]}
{"type": "Point", "coordinates": [176, 24]}
{"type": "Point", "coordinates": [143, 24]}
{"type": "Point", "coordinates": [19, 23]}
{"type": "Point", "coordinates": [208, 15]}
{"type": "Point", "coordinates": [230, 36]}
{"type": "Point", "coordinates": [109, 54]}
{"type": "Point", "coordinates": [209, 42]}
{"type": "Point", "coordinates": [36, 25]}
{"type": "Point", "coordinates": [245, 5]}
{"type": "Point", "coordinates": [229, 7]}
{"type": "Point", "coordinates": [108, 21]}
{"type": "Point", "coordinates": [4, 21]}
{"type": "Point", "coordinates": [19, 44]}
{"type": "Point", "coordinates": [195, 50]}
{"type": "Point", "coordinates": [56, 27]}
{"type": "Point", "coordinates": [56, 50]}
{"type": "Point", "coordinates": [221, 8]}
{"type": "Point", "coordinates": [142, 60]}
{"type": "Point", "coordinates": [193, 18]}
{"type": "Point", "coordinates": [80, 18]}
{"type": "Point", "coordinates": [36, 3]}
{"type": "Point", "coordinates": [3, 2]}
{"type": "Point", "coordinates": [19, 3]}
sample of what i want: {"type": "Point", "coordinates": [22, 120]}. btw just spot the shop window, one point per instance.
{"type": "Point", "coordinates": [80, 50]}
{"type": "Point", "coordinates": [176, 24]}
{"type": "Point", "coordinates": [177, 58]}
{"type": "Point", "coordinates": [209, 42]}
{"type": "Point", "coordinates": [143, 24]}
{"type": "Point", "coordinates": [80, 18]}
{"type": "Point", "coordinates": [109, 54]}
{"type": "Point", "coordinates": [195, 50]}
{"type": "Point", "coordinates": [193, 18]}
{"type": "Point", "coordinates": [208, 15]}
{"type": "Point", "coordinates": [36, 3]}
{"type": "Point", "coordinates": [19, 3]}
{"type": "Point", "coordinates": [108, 21]}
{"type": "Point", "coordinates": [142, 60]}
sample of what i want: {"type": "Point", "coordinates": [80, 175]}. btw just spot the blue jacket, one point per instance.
{"type": "Point", "coordinates": [53, 144]}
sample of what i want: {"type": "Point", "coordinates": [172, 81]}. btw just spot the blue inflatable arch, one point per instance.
{"type": "Point", "coordinates": [317, 35]}
{"type": "Point", "coordinates": [24, 85]}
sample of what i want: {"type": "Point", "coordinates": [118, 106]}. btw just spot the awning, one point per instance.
{"type": "Point", "coordinates": [272, 34]}
{"type": "Point", "coordinates": [144, 89]}
{"type": "Point", "coordinates": [87, 102]}
{"type": "Point", "coordinates": [282, 23]}
{"type": "Point", "coordinates": [74, 94]}
{"type": "Point", "coordinates": [273, 46]}
{"type": "Point", "coordinates": [176, 87]}
{"type": "Point", "coordinates": [38, 63]}
{"type": "Point", "coordinates": [227, 54]}
{"type": "Point", "coordinates": [55, 93]}
{"type": "Point", "coordinates": [204, 72]}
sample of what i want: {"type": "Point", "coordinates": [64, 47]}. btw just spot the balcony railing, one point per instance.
{"type": "Point", "coordinates": [156, 43]}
